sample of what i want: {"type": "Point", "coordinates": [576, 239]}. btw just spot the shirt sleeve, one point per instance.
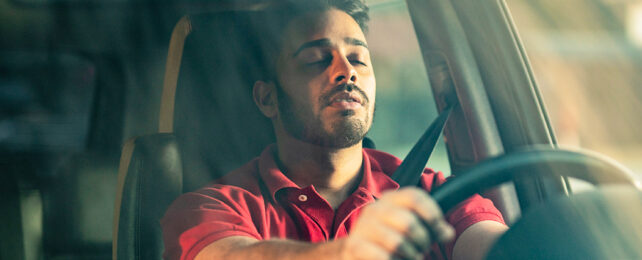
{"type": "Point", "coordinates": [197, 219]}
{"type": "Point", "coordinates": [473, 210]}
{"type": "Point", "coordinates": [468, 212]}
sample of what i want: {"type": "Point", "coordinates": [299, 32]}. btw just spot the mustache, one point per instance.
{"type": "Point", "coordinates": [345, 87]}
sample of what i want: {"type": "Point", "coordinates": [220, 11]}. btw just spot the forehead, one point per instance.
{"type": "Point", "coordinates": [333, 24]}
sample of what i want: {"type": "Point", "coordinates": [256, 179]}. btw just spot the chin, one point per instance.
{"type": "Point", "coordinates": [346, 134]}
{"type": "Point", "coordinates": [347, 113]}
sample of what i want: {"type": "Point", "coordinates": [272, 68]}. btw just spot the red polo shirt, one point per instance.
{"type": "Point", "coordinates": [259, 201]}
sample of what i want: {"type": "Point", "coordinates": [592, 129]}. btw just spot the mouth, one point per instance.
{"type": "Point", "coordinates": [346, 100]}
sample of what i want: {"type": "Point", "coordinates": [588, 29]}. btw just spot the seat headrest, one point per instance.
{"type": "Point", "coordinates": [216, 122]}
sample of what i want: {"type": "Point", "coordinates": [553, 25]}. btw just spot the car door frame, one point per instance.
{"type": "Point", "coordinates": [474, 56]}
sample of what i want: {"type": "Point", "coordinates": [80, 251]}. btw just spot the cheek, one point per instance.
{"type": "Point", "coordinates": [301, 91]}
{"type": "Point", "coordinates": [314, 91]}
{"type": "Point", "coordinates": [307, 103]}
{"type": "Point", "coordinates": [370, 89]}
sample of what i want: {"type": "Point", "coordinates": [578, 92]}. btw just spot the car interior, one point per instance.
{"type": "Point", "coordinates": [112, 109]}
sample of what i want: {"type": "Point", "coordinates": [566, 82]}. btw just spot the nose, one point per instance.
{"type": "Point", "coordinates": [343, 71]}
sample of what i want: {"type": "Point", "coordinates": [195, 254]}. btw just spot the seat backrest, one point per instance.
{"type": "Point", "coordinates": [216, 122]}
{"type": "Point", "coordinates": [149, 179]}
{"type": "Point", "coordinates": [208, 126]}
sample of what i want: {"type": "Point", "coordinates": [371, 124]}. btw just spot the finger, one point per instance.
{"type": "Point", "coordinates": [407, 223]}
{"type": "Point", "coordinates": [407, 250]}
{"type": "Point", "coordinates": [442, 231]}
{"type": "Point", "coordinates": [370, 251]}
{"type": "Point", "coordinates": [395, 243]}
{"type": "Point", "coordinates": [427, 209]}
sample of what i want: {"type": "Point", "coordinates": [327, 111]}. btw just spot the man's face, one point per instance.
{"type": "Point", "coordinates": [326, 85]}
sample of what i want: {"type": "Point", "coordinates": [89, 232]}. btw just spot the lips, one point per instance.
{"type": "Point", "coordinates": [347, 97]}
{"type": "Point", "coordinates": [346, 100]}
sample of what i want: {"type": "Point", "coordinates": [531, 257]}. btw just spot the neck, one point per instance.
{"type": "Point", "coordinates": [325, 168]}
{"type": "Point", "coordinates": [333, 172]}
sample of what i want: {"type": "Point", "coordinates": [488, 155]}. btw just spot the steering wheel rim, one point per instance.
{"type": "Point", "coordinates": [587, 166]}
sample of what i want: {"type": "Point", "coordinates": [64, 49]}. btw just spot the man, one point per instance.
{"type": "Point", "coordinates": [317, 192]}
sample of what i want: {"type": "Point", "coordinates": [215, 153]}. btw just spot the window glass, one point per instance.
{"type": "Point", "coordinates": [587, 57]}
{"type": "Point", "coordinates": [405, 106]}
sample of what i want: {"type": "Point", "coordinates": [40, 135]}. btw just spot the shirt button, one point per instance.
{"type": "Point", "coordinates": [303, 198]}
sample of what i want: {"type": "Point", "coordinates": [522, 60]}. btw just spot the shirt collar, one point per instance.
{"type": "Point", "coordinates": [272, 176]}
{"type": "Point", "coordinates": [373, 181]}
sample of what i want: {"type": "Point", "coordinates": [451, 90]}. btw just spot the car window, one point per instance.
{"type": "Point", "coordinates": [586, 57]}
{"type": "Point", "coordinates": [405, 105]}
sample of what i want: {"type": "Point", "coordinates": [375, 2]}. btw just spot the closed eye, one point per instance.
{"type": "Point", "coordinates": [322, 62]}
{"type": "Point", "coordinates": [357, 58]}
{"type": "Point", "coordinates": [358, 62]}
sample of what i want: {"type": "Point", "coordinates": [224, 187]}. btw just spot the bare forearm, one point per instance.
{"type": "Point", "coordinates": [394, 226]}
{"type": "Point", "coordinates": [477, 240]}
{"type": "Point", "coordinates": [245, 248]}
{"type": "Point", "coordinates": [286, 249]}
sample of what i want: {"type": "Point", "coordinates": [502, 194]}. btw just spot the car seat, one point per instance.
{"type": "Point", "coordinates": [208, 126]}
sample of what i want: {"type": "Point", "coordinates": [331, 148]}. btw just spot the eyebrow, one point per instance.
{"type": "Point", "coordinates": [326, 42]}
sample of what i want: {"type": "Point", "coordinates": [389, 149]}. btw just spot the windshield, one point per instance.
{"type": "Point", "coordinates": [405, 105]}
{"type": "Point", "coordinates": [586, 57]}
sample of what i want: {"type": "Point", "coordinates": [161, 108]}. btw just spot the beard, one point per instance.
{"type": "Point", "coordinates": [304, 126]}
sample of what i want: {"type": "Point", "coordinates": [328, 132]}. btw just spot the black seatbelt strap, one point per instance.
{"type": "Point", "coordinates": [410, 170]}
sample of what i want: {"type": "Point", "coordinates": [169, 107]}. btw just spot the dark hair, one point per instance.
{"type": "Point", "coordinates": [357, 9]}
{"type": "Point", "coordinates": [272, 21]}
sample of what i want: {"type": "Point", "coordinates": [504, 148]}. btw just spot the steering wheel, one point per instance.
{"type": "Point", "coordinates": [595, 225]}
{"type": "Point", "coordinates": [591, 167]}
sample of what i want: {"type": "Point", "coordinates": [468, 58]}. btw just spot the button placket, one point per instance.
{"type": "Point", "coordinates": [358, 200]}
{"type": "Point", "coordinates": [313, 205]}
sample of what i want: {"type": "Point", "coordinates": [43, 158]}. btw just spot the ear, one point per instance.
{"type": "Point", "coordinates": [264, 94]}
